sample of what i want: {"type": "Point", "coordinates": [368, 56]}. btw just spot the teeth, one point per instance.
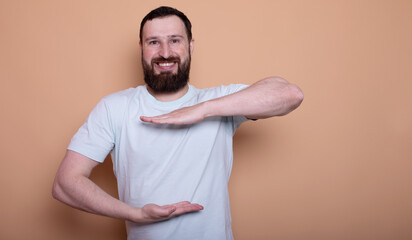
{"type": "Point", "coordinates": [166, 64]}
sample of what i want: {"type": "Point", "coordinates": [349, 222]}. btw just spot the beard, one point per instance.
{"type": "Point", "coordinates": [166, 82]}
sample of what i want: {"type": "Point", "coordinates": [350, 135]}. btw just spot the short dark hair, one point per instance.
{"type": "Point", "coordinates": [164, 12]}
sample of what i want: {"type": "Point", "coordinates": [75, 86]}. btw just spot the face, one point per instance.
{"type": "Point", "coordinates": [166, 53]}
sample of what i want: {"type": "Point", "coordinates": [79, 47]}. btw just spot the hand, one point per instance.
{"type": "Point", "coordinates": [151, 213]}
{"type": "Point", "coordinates": [186, 115]}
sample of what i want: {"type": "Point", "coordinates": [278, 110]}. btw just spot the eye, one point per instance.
{"type": "Point", "coordinates": [153, 42]}
{"type": "Point", "coordinates": [175, 40]}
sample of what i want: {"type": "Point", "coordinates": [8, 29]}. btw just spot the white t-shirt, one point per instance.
{"type": "Point", "coordinates": [165, 164]}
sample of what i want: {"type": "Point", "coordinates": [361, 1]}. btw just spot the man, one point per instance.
{"type": "Point", "coordinates": [171, 144]}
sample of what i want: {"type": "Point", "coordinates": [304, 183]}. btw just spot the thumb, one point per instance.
{"type": "Point", "coordinates": [167, 210]}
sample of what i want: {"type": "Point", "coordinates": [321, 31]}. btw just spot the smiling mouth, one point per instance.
{"type": "Point", "coordinates": [166, 64]}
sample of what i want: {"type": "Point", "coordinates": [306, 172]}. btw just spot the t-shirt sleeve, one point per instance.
{"type": "Point", "coordinates": [95, 138]}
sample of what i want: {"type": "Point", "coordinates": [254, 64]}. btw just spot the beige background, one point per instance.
{"type": "Point", "coordinates": [339, 167]}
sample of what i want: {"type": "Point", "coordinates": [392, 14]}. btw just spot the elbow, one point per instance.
{"type": "Point", "coordinates": [295, 96]}
{"type": "Point", "coordinates": [290, 96]}
{"type": "Point", "coordinates": [57, 189]}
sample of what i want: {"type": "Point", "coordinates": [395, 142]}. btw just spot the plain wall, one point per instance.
{"type": "Point", "coordinates": [339, 167]}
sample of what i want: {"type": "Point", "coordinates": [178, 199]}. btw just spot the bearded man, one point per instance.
{"type": "Point", "coordinates": [170, 143]}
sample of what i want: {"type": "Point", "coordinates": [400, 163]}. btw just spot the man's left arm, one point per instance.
{"type": "Point", "coordinates": [266, 98]}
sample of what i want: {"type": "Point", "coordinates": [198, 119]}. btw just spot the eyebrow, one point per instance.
{"type": "Point", "coordinates": [169, 36]}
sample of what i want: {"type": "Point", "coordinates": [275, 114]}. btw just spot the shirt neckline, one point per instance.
{"type": "Point", "coordinates": [169, 104]}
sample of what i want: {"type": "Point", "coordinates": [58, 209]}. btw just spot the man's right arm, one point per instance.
{"type": "Point", "coordinates": [73, 186]}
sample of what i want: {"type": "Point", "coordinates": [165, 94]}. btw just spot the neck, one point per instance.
{"type": "Point", "coordinates": [168, 97]}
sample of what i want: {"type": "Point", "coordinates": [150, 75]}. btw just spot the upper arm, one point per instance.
{"type": "Point", "coordinates": [76, 164]}
{"type": "Point", "coordinates": [74, 167]}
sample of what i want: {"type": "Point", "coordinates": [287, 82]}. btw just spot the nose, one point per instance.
{"type": "Point", "coordinates": [165, 50]}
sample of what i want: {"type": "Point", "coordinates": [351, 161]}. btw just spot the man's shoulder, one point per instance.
{"type": "Point", "coordinates": [123, 96]}
{"type": "Point", "coordinates": [117, 103]}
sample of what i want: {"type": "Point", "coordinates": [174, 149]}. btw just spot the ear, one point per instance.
{"type": "Point", "coordinates": [141, 48]}
{"type": "Point", "coordinates": [191, 46]}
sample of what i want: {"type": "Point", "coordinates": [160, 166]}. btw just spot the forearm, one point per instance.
{"type": "Point", "coordinates": [266, 98]}
{"type": "Point", "coordinates": [73, 187]}
{"type": "Point", "coordinates": [81, 193]}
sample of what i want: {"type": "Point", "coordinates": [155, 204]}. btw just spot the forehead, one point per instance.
{"type": "Point", "coordinates": [163, 27]}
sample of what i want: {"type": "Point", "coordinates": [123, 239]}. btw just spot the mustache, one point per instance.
{"type": "Point", "coordinates": [162, 59]}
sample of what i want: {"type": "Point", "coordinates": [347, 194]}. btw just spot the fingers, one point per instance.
{"type": "Point", "coordinates": [186, 207]}
{"type": "Point", "coordinates": [145, 119]}
{"type": "Point", "coordinates": [173, 118]}
{"type": "Point", "coordinates": [156, 213]}
{"type": "Point", "coordinates": [161, 119]}
{"type": "Point", "coordinates": [186, 115]}
{"type": "Point", "coordinates": [156, 119]}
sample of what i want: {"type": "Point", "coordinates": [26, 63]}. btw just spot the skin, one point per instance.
{"type": "Point", "coordinates": [273, 96]}
{"type": "Point", "coordinates": [161, 37]}
{"type": "Point", "coordinates": [166, 37]}
{"type": "Point", "coordinates": [266, 98]}
{"type": "Point", "coordinates": [73, 187]}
